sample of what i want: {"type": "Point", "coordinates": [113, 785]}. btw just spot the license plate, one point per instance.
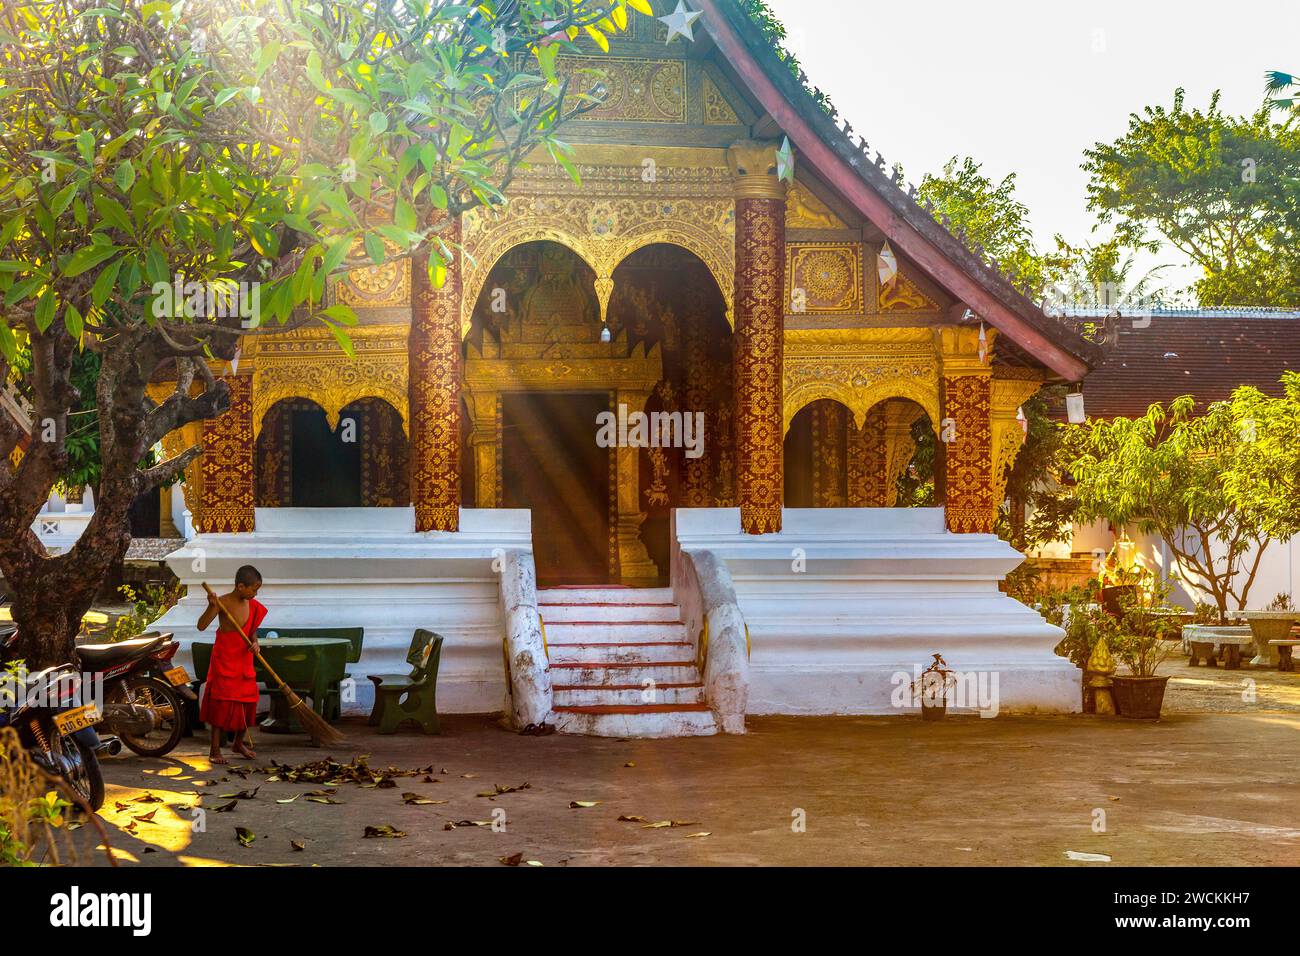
{"type": "Point", "coordinates": [177, 676]}
{"type": "Point", "coordinates": [70, 721]}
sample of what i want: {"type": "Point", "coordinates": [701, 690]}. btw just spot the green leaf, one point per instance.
{"type": "Point", "coordinates": [87, 257]}
{"type": "Point", "coordinates": [345, 343]}
{"type": "Point", "coordinates": [124, 176]}
{"type": "Point", "coordinates": [342, 314]}
{"type": "Point", "coordinates": [374, 248]}
{"type": "Point", "coordinates": [63, 199]}
{"type": "Point", "coordinates": [105, 282]}
{"type": "Point", "coordinates": [86, 146]}
{"type": "Point", "coordinates": [378, 122]}
{"type": "Point", "coordinates": [73, 322]}
{"type": "Point", "coordinates": [45, 310]}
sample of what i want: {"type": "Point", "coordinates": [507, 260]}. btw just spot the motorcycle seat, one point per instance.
{"type": "Point", "coordinates": [97, 656]}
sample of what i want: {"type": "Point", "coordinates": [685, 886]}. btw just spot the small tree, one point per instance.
{"type": "Point", "coordinates": [1263, 479]}
{"type": "Point", "coordinates": [1163, 473]}
{"type": "Point", "coordinates": [245, 150]}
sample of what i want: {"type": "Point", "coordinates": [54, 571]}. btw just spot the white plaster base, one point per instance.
{"type": "Point", "coordinates": [842, 601]}
{"type": "Point", "coordinates": [337, 567]}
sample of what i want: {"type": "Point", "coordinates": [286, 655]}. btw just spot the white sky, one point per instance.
{"type": "Point", "coordinates": [1025, 86]}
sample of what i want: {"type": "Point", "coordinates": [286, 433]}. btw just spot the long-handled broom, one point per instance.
{"type": "Point", "coordinates": [315, 725]}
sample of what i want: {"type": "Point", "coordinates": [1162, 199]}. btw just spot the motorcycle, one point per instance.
{"type": "Point", "coordinates": [143, 691]}
{"type": "Point", "coordinates": [57, 729]}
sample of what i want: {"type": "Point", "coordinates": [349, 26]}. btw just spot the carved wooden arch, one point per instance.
{"type": "Point", "coordinates": [859, 400]}
{"type": "Point", "coordinates": [602, 232]}
{"type": "Point", "coordinates": [309, 364]}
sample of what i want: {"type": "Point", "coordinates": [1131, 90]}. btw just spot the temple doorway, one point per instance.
{"type": "Point", "coordinates": [832, 463]}
{"type": "Point", "coordinates": [553, 467]}
{"type": "Point", "coordinates": [303, 462]}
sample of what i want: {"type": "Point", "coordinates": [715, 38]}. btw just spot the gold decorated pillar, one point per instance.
{"type": "Point", "coordinates": [485, 445]}
{"type": "Point", "coordinates": [434, 356]}
{"type": "Point", "coordinates": [226, 465]}
{"type": "Point", "coordinates": [759, 306]}
{"type": "Point", "coordinates": [634, 564]}
{"type": "Point", "coordinates": [1010, 389]}
{"type": "Point", "coordinates": [966, 430]}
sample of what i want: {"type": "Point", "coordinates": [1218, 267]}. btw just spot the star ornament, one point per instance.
{"type": "Point", "coordinates": [785, 161]}
{"type": "Point", "coordinates": [681, 22]}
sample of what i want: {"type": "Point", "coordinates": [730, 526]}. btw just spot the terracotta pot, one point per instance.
{"type": "Point", "coordinates": [933, 713]}
{"type": "Point", "coordinates": [1115, 597]}
{"type": "Point", "coordinates": [1139, 697]}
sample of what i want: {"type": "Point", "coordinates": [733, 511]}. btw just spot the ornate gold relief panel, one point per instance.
{"type": "Point", "coordinates": [379, 286]}
{"type": "Point", "coordinates": [717, 111]}
{"type": "Point", "coordinates": [638, 89]}
{"type": "Point", "coordinates": [1008, 394]}
{"type": "Point", "coordinates": [858, 368]}
{"type": "Point", "coordinates": [823, 277]}
{"type": "Point", "coordinates": [803, 210]}
{"type": "Point", "coordinates": [901, 294]}
{"type": "Point", "coordinates": [308, 363]}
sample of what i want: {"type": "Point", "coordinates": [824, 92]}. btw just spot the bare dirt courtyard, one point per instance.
{"type": "Point", "coordinates": [1215, 782]}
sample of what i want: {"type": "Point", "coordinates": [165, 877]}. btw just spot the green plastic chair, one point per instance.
{"type": "Point", "coordinates": [413, 696]}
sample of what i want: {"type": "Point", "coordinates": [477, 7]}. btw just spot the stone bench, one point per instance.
{"type": "Point", "coordinates": [1284, 662]}
{"type": "Point", "coordinates": [1206, 644]}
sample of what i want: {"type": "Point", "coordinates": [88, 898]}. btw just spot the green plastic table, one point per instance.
{"type": "Point", "coordinates": [311, 666]}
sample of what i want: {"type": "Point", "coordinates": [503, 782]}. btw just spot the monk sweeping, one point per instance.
{"type": "Point", "coordinates": [230, 691]}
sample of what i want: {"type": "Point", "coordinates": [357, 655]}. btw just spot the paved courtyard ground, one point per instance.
{"type": "Point", "coordinates": [1215, 782]}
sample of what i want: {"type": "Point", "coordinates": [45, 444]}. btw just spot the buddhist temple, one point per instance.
{"type": "Point", "coordinates": [813, 384]}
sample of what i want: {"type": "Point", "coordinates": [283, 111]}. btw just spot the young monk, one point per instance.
{"type": "Point", "coordinates": [230, 691]}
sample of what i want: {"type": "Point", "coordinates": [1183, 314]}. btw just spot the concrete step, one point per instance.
{"type": "Point", "coordinates": [604, 675]}
{"type": "Point", "coordinates": [653, 720]}
{"type": "Point", "coordinates": [608, 652]}
{"type": "Point", "coordinates": [560, 611]}
{"type": "Point", "coordinates": [567, 695]}
{"type": "Point", "coordinates": [613, 632]}
{"type": "Point", "coordinates": [604, 595]}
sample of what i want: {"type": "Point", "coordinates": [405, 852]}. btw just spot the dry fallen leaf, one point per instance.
{"type": "Point", "coordinates": [289, 799]}
{"type": "Point", "coordinates": [384, 830]}
{"type": "Point", "coordinates": [513, 860]}
{"type": "Point", "coordinates": [582, 804]}
{"type": "Point", "coordinates": [241, 795]}
{"type": "Point", "coordinates": [297, 844]}
{"type": "Point", "coordinates": [122, 807]}
{"type": "Point", "coordinates": [148, 798]}
{"type": "Point", "coordinates": [226, 807]}
{"type": "Point", "coordinates": [145, 817]}
{"type": "Point", "coordinates": [419, 801]}
{"type": "Point", "coordinates": [246, 836]}
{"type": "Point", "coordinates": [702, 833]}
{"type": "Point", "coordinates": [322, 793]}
{"type": "Point", "coordinates": [629, 764]}
{"type": "Point", "coordinates": [497, 790]}
{"type": "Point", "coordinates": [628, 819]}
{"type": "Point", "coordinates": [329, 800]}
{"type": "Point", "coordinates": [667, 823]}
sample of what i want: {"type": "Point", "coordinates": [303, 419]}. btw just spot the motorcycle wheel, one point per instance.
{"type": "Point", "coordinates": [166, 704]}
{"type": "Point", "coordinates": [88, 781]}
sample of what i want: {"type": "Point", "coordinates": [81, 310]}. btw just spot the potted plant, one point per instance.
{"type": "Point", "coordinates": [1141, 692]}
{"type": "Point", "coordinates": [932, 688]}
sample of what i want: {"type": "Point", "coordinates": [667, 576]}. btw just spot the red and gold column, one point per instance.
{"type": "Point", "coordinates": [226, 466]}
{"type": "Point", "coordinates": [967, 431]}
{"type": "Point", "coordinates": [434, 350]}
{"type": "Point", "coordinates": [759, 308]}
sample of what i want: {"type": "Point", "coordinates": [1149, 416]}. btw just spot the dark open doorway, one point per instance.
{"type": "Point", "coordinates": [326, 466]}
{"type": "Point", "coordinates": [552, 466]}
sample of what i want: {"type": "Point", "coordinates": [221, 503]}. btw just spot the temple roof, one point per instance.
{"type": "Point", "coordinates": [865, 184]}
{"type": "Point", "coordinates": [1205, 354]}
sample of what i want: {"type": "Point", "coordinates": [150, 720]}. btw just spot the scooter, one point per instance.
{"type": "Point", "coordinates": [56, 728]}
{"type": "Point", "coordinates": [143, 691]}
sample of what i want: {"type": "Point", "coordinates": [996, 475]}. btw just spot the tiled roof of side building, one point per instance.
{"type": "Point", "coordinates": [1158, 356]}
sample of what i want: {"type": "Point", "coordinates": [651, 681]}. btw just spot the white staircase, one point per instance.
{"type": "Point", "coordinates": [622, 664]}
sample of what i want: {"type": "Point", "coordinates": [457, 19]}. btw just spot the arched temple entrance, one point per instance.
{"type": "Point", "coordinates": [561, 406]}
{"type": "Point", "coordinates": [302, 462]}
{"type": "Point", "coordinates": [832, 463]}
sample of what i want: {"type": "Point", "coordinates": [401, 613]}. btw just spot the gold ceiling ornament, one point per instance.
{"type": "Point", "coordinates": [959, 349]}
{"type": "Point", "coordinates": [1008, 394]}
{"type": "Point", "coordinates": [901, 294]}
{"type": "Point", "coordinates": [308, 363]}
{"type": "Point", "coordinates": [858, 368]}
{"type": "Point", "coordinates": [384, 285]}
{"type": "Point", "coordinates": [803, 210]}
{"type": "Point", "coordinates": [636, 89]}
{"type": "Point", "coordinates": [823, 277]}
{"type": "Point", "coordinates": [717, 111]}
{"type": "Point", "coordinates": [602, 230]}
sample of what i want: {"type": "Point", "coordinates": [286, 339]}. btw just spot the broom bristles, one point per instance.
{"type": "Point", "coordinates": [316, 726]}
